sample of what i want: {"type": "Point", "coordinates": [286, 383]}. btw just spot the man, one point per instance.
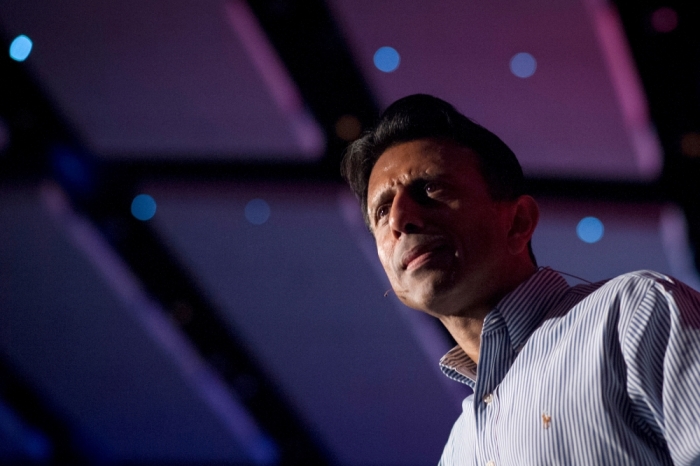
{"type": "Point", "coordinates": [605, 373]}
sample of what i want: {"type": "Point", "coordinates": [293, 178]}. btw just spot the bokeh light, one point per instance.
{"type": "Point", "coordinates": [348, 128]}
{"type": "Point", "coordinates": [664, 20]}
{"type": "Point", "coordinates": [20, 48]}
{"type": "Point", "coordinates": [4, 136]}
{"type": "Point", "coordinates": [523, 65]}
{"type": "Point", "coordinates": [257, 211]}
{"type": "Point", "coordinates": [143, 207]}
{"type": "Point", "coordinates": [72, 168]}
{"type": "Point", "coordinates": [386, 59]}
{"type": "Point", "coordinates": [690, 145]}
{"type": "Point", "coordinates": [590, 230]}
{"type": "Point", "coordinates": [32, 442]}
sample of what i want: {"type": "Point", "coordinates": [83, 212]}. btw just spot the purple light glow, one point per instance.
{"type": "Point", "coordinates": [664, 20]}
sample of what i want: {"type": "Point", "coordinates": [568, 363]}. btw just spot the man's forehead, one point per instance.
{"type": "Point", "coordinates": [412, 155]}
{"type": "Point", "coordinates": [422, 157]}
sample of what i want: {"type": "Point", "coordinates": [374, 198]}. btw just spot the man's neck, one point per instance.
{"type": "Point", "coordinates": [467, 333]}
{"type": "Point", "coordinates": [467, 330]}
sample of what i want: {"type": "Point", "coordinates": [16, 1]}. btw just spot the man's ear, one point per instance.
{"type": "Point", "coordinates": [524, 217]}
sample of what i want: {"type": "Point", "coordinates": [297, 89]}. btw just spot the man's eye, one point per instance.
{"type": "Point", "coordinates": [431, 188]}
{"type": "Point", "coordinates": [382, 211]}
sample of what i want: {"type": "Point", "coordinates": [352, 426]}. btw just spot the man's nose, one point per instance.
{"type": "Point", "coordinates": [406, 214]}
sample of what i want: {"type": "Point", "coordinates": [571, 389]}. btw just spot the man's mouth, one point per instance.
{"type": "Point", "coordinates": [422, 254]}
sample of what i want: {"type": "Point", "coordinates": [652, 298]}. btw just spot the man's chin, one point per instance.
{"type": "Point", "coordinates": [431, 296]}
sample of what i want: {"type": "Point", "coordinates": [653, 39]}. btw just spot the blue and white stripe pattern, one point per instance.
{"type": "Point", "coordinates": [599, 374]}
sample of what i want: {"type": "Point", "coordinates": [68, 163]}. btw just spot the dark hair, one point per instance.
{"type": "Point", "coordinates": [421, 116]}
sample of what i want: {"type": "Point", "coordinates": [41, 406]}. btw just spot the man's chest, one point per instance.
{"type": "Point", "coordinates": [562, 400]}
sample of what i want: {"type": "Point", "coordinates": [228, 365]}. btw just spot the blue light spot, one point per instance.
{"type": "Point", "coordinates": [143, 207]}
{"type": "Point", "coordinates": [523, 65]}
{"type": "Point", "coordinates": [257, 211]}
{"type": "Point", "coordinates": [72, 168]}
{"type": "Point", "coordinates": [590, 230]}
{"type": "Point", "coordinates": [265, 451]}
{"type": "Point", "coordinates": [20, 48]}
{"type": "Point", "coordinates": [386, 59]}
{"type": "Point", "coordinates": [37, 446]}
{"type": "Point", "coordinates": [33, 443]}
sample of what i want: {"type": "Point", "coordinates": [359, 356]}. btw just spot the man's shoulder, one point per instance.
{"type": "Point", "coordinates": [638, 280]}
{"type": "Point", "coordinates": [646, 276]}
{"type": "Point", "coordinates": [630, 289]}
{"type": "Point", "coordinates": [648, 281]}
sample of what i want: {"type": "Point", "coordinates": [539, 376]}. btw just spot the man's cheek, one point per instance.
{"type": "Point", "coordinates": [384, 258]}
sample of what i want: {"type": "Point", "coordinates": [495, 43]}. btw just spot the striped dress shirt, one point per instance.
{"type": "Point", "coordinates": [598, 374]}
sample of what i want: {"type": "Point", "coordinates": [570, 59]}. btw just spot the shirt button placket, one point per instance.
{"type": "Point", "coordinates": [486, 414]}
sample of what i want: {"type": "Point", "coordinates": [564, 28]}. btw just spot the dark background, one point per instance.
{"type": "Point", "coordinates": [246, 322]}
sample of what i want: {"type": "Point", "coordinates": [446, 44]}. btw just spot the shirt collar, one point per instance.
{"type": "Point", "coordinates": [522, 310]}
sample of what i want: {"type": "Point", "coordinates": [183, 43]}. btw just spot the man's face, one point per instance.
{"type": "Point", "coordinates": [441, 238]}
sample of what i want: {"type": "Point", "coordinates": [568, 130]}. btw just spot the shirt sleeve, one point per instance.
{"type": "Point", "coordinates": [661, 346]}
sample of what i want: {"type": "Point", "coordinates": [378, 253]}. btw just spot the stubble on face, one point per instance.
{"type": "Point", "coordinates": [454, 229]}
{"type": "Point", "coordinates": [430, 278]}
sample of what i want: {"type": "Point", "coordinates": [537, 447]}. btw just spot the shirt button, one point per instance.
{"type": "Point", "coordinates": [488, 399]}
{"type": "Point", "coordinates": [491, 463]}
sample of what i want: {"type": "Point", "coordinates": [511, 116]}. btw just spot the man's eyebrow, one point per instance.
{"type": "Point", "coordinates": [388, 189]}
{"type": "Point", "coordinates": [379, 198]}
